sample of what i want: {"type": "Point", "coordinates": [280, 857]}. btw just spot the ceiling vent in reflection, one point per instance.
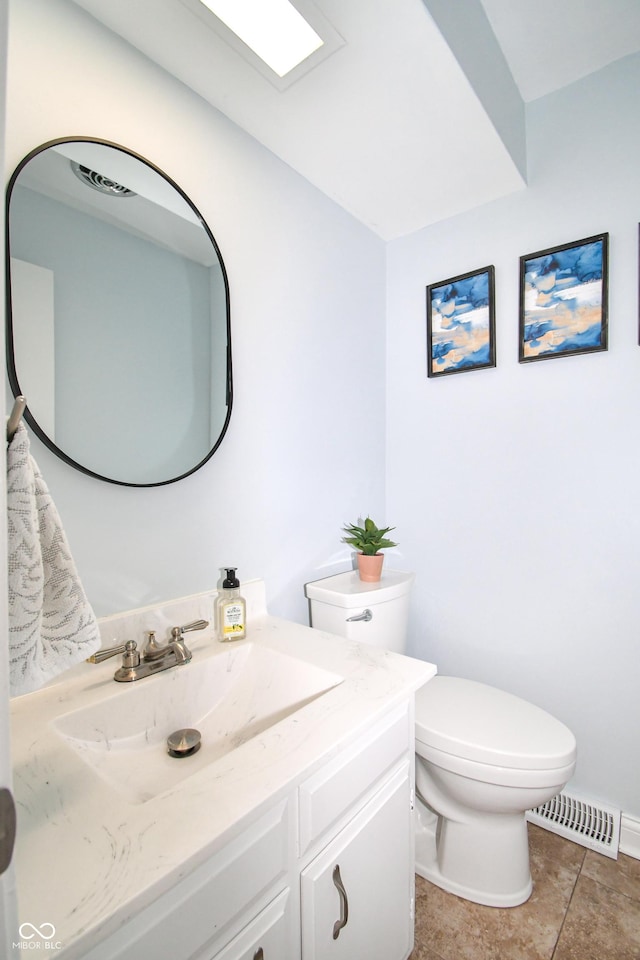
{"type": "Point", "coordinates": [99, 182]}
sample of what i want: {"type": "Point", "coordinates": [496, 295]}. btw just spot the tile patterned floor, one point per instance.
{"type": "Point", "coordinates": [584, 906]}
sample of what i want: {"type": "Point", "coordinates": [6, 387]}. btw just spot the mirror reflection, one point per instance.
{"type": "Point", "coordinates": [118, 319]}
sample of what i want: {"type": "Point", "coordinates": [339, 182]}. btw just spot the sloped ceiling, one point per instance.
{"type": "Point", "coordinates": [552, 43]}
{"type": "Point", "coordinates": [419, 115]}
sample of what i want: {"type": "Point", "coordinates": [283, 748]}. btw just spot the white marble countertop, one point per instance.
{"type": "Point", "coordinates": [86, 858]}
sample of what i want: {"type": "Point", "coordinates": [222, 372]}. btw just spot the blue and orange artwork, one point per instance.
{"type": "Point", "coordinates": [563, 300]}
{"type": "Point", "coordinates": [460, 323]}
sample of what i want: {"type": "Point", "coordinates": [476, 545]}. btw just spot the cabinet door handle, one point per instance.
{"type": "Point", "coordinates": [259, 954]}
{"type": "Point", "coordinates": [344, 903]}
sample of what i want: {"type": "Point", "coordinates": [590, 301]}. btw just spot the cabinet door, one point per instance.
{"type": "Point", "coordinates": [328, 799]}
{"type": "Point", "coordinates": [356, 894]}
{"type": "Point", "coordinates": [269, 936]}
{"type": "Point", "coordinates": [214, 901]}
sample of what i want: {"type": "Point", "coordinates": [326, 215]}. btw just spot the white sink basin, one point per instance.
{"type": "Point", "coordinates": [230, 698]}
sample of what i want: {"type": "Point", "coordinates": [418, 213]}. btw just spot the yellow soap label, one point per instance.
{"type": "Point", "coordinates": [232, 622]}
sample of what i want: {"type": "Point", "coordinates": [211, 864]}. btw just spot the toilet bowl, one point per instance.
{"type": "Point", "coordinates": [483, 756]}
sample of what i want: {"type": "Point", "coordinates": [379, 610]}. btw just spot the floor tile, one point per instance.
{"type": "Point", "coordinates": [456, 929]}
{"type": "Point", "coordinates": [601, 924]}
{"type": "Point", "coordinates": [584, 906]}
{"type": "Point", "coordinates": [546, 845]}
{"type": "Point", "coordinates": [622, 874]}
{"type": "Point", "coordinates": [423, 953]}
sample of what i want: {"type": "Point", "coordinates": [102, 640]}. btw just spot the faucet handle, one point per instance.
{"type": "Point", "coordinates": [128, 649]}
{"type": "Point", "coordinates": [194, 625]}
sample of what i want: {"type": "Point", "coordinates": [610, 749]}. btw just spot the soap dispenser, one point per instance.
{"type": "Point", "coordinates": [231, 609]}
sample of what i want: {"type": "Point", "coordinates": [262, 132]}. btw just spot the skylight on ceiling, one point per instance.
{"type": "Point", "coordinates": [273, 29]}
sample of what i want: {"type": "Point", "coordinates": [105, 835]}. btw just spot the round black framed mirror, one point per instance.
{"type": "Point", "coordinates": [118, 314]}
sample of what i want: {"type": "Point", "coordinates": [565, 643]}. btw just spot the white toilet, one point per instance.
{"type": "Point", "coordinates": [483, 756]}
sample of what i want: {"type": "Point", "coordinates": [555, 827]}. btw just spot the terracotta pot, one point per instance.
{"type": "Point", "coordinates": [370, 568]}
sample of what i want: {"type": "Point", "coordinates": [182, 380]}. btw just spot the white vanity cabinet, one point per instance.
{"type": "Point", "coordinates": [355, 859]}
{"type": "Point", "coordinates": [224, 906]}
{"type": "Point", "coordinates": [235, 859]}
{"type": "Point", "coordinates": [325, 873]}
{"type": "Point", "coordinates": [268, 936]}
{"type": "Point", "coordinates": [357, 893]}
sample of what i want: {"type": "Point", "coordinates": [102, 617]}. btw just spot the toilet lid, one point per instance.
{"type": "Point", "coordinates": [478, 722]}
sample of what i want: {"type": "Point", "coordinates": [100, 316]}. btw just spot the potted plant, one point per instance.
{"type": "Point", "coordinates": [368, 540]}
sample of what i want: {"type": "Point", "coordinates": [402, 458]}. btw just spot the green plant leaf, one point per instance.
{"type": "Point", "coordinates": [369, 539]}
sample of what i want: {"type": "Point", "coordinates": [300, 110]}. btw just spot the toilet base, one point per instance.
{"type": "Point", "coordinates": [505, 866]}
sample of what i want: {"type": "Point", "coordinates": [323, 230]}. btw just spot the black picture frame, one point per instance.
{"type": "Point", "coordinates": [461, 334]}
{"type": "Point", "coordinates": [564, 300]}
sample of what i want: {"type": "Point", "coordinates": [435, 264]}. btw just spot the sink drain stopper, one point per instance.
{"type": "Point", "coordinates": [184, 743]}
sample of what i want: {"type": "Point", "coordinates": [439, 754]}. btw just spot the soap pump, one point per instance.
{"type": "Point", "coordinates": [231, 609]}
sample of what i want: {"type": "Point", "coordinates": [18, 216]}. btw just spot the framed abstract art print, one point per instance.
{"type": "Point", "coordinates": [461, 323]}
{"type": "Point", "coordinates": [563, 300]}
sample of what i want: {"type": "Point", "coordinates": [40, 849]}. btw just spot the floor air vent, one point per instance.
{"type": "Point", "coordinates": [592, 825]}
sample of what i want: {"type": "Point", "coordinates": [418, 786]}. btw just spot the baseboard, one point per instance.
{"type": "Point", "coordinates": [630, 836]}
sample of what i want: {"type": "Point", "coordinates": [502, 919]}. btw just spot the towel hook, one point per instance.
{"type": "Point", "coordinates": [16, 416]}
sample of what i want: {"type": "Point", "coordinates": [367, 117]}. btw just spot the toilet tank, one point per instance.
{"type": "Point", "coordinates": [373, 613]}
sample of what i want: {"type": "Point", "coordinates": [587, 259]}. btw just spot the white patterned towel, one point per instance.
{"type": "Point", "coordinates": [51, 624]}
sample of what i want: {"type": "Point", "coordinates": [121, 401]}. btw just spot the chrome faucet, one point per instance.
{"type": "Point", "coordinates": [155, 657]}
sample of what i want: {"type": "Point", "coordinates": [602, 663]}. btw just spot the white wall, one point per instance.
{"type": "Point", "coordinates": [516, 491]}
{"type": "Point", "coordinates": [307, 299]}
